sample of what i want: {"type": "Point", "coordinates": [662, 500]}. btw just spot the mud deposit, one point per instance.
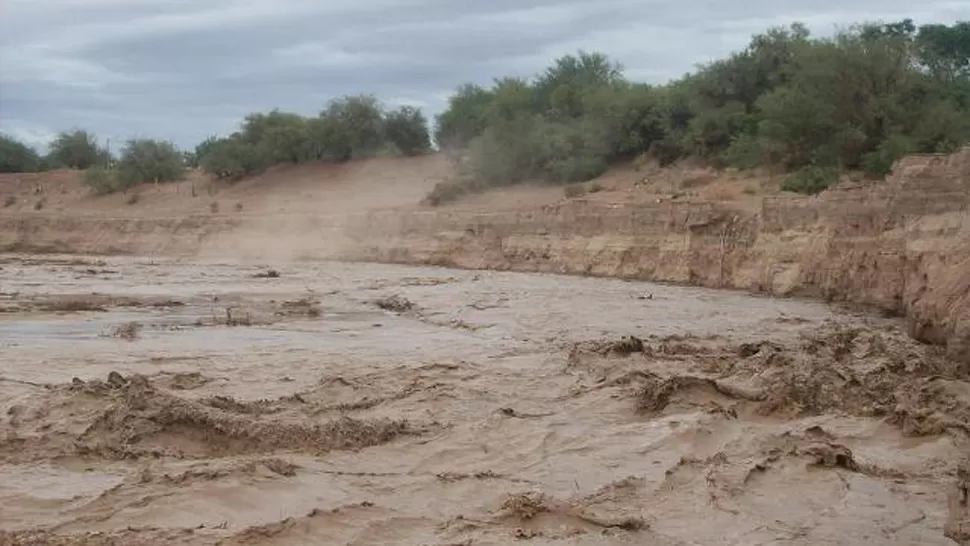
{"type": "Point", "coordinates": [159, 402]}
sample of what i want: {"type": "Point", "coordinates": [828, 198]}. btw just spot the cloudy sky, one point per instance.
{"type": "Point", "coordinates": [184, 69]}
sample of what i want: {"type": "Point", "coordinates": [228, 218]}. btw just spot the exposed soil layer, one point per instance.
{"type": "Point", "coordinates": [901, 246]}
{"type": "Point", "coordinates": [472, 408]}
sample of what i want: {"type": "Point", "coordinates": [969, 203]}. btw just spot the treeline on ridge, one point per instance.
{"type": "Point", "coordinates": [351, 127]}
{"type": "Point", "coordinates": [812, 107]}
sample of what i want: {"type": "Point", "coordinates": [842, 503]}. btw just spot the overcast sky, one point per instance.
{"type": "Point", "coordinates": [184, 69]}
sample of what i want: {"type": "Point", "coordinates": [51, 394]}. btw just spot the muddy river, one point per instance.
{"type": "Point", "coordinates": [159, 402]}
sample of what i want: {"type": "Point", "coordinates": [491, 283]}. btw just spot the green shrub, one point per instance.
{"type": "Point", "coordinates": [811, 179]}
{"type": "Point", "coordinates": [575, 169]}
{"type": "Point", "coordinates": [146, 160]}
{"type": "Point", "coordinates": [202, 149]}
{"type": "Point", "coordinates": [358, 125]}
{"type": "Point", "coordinates": [406, 129]}
{"type": "Point", "coordinates": [279, 137]}
{"type": "Point", "coordinates": [233, 158]}
{"type": "Point", "coordinates": [504, 154]}
{"type": "Point", "coordinates": [466, 117]}
{"type": "Point", "coordinates": [573, 190]}
{"type": "Point", "coordinates": [744, 152]}
{"type": "Point", "coordinates": [77, 149]}
{"type": "Point", "coordinates": [101, 181]}
{"type": "Point", "coordinates": [880, 161]}
{"type": "Point", "coordinates": [16, 157]}
{"type": "Point", "coordinates": [573, 151]}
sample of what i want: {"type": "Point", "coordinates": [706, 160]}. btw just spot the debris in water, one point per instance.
{"type": "Point", "coordinates": [524, 505]}
{"type": "Point", "coordinates": [116, 380]}
{"type": "Point", "coordinates": [305, 306]}
{"type": "Point", "coordinates": [394, 303]}
{"type": "Point", "coordinates": [127, 331]}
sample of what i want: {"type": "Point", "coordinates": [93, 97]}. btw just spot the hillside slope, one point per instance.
{"type": "Point", "coordinates": [902, 245]}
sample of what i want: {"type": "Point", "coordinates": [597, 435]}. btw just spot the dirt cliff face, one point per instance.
{"type": "Point", "coordinates": [902, 245]}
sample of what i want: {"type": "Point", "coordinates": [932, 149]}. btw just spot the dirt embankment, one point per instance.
{"type": "Point", "coordinates": [902, 245]}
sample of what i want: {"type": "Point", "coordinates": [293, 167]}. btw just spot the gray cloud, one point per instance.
{"type": "Point", "coordinates": [184, 69]}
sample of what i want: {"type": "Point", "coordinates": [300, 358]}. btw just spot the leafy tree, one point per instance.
{"type": "Point", "coordinates": [563, 87]}
{"type": "Point", "coordinates": [630, 116]}
{"type": "Point", "coordinates": [360, 122]}
{"type": "Point", "coordinates": [77, 149]}
{"type": "Point", "coordinates": [504, 154]}
{"type": "Point", "coordinates": [147, 160]}
{"type": "Point", "coordinates": [942, 126]}
{"type": "Point", "coordinates": [17, 157]}
{"type": "Point", "coordinates": [795, 125]}
{"type": "Point", "coordinates": [279, 137]}
{"type": "Point", "coordinates": [407, 129]}
{"type": "Point", "coordinates": [570, 151]}
{"type": "Point", "coordinates": [233, 158]}
{"type": "Point", "coordinates": [944, 50]}
{"type": "Point", "coordinates": [511, 99]}
{"type": "Point", "coordinates": [329, 140]}
{"type": "Point", "coordinates": [465, 118]}
{"type": "Point", "coordinates": [194, 158]}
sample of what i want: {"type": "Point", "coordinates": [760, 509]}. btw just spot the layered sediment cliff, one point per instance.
{"type": "Point", "coordinates": [902, 245]}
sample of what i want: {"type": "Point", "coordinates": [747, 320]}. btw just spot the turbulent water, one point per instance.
{"type": "Point", "coordinates": [159, 402]}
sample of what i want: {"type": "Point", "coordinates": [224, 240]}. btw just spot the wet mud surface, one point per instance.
{"type": "Point", "coordinates": [159, 402]}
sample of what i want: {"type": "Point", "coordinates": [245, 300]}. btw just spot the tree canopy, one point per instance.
{"type": "Point", "coordinates": [813, 106]}
{"type": "Point", "coordinates": [77, 149]}
{"type": "Point", "coordinates": [17, 157]}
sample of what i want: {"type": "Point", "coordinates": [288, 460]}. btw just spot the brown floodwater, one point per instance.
{"type": "Point", "coordinates": [146, 401]}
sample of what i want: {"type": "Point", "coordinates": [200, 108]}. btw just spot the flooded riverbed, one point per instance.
{"type": "Point", "coordinates": [159, 402]}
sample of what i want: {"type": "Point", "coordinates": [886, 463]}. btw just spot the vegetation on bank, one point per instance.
{"type": "Point", "coordinates": [812, 107]}
{"type": "Point", "coordinates": [352, 127]}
